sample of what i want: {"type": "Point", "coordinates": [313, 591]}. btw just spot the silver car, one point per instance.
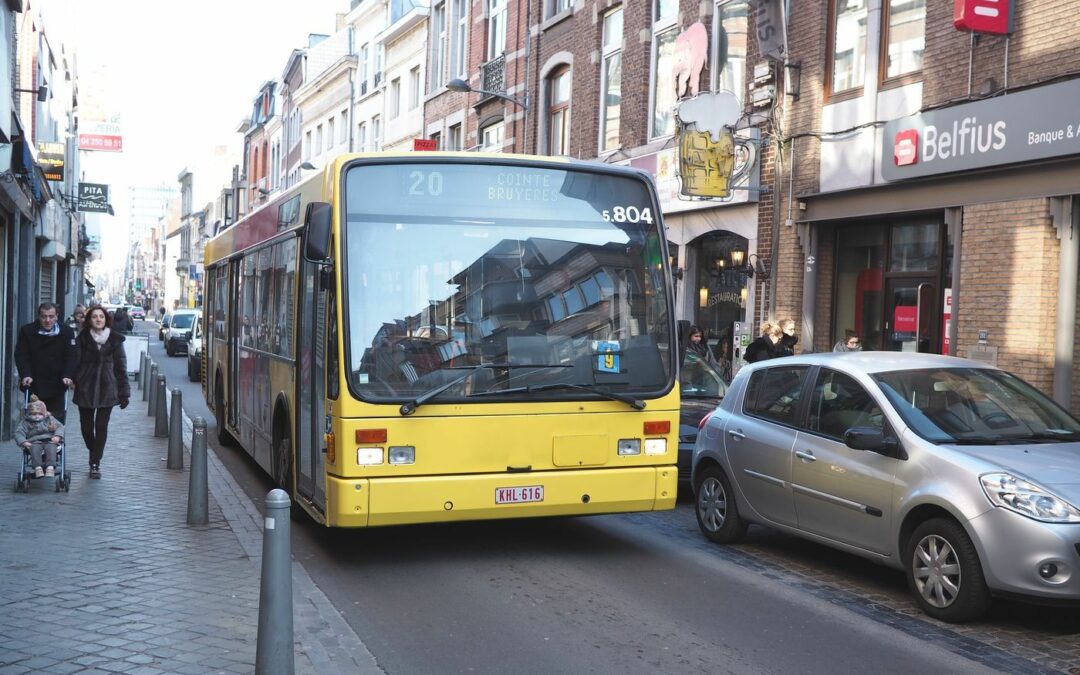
{"type": "Point", "coordinates": [958, 473]}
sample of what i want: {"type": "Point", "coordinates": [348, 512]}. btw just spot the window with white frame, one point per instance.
{"type": "Point", "coordinates": [496, 28]}
{"type": "Point", "coordinates": [307, 145]}
{"type": "Point", "coordinates": [453, 138]}
{"type": "Point", "coordinates": [461, 37]}
{"type": "Point", "coordinates": [318, 140]}
{"type": "Point", "coordinates": [343, 124]}
{"type": "Point", "coordinates": [847, 45]}
{"type": "Point", "coordinates": [556, 6]}
{"type": "Point", "coordinates": [559, 111]}
{"type": "Point", "coordinates": [664, 32]}
{"type": "Point", "coordinates": [491, 137]}
{"type": "Point", "coordinates": [414, 88]}
{"type": "Point", "coordinates": [905, 36]}
{"type": "Point", "coordinates": [330, 137]}
{"type": "Point", "coordinates": [377, 76]}
{"type": "Point", "coordinates": [362, 68]}
{"type": "Point", "coordinates": [361, 137]}
{"type": "Point", "coordinates": [395, 98]}
{"type": "Point", "coordinates": [611, 80]}
{"type": "Point", "coordinates": [728, 67]}
{"type": "Point", "coordinates": [438, 46]}
{"type": "Point", "coordinates": [376, 132]}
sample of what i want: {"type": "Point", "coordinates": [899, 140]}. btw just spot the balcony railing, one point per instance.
{"type": "Point", "coordinates": [494, 75]}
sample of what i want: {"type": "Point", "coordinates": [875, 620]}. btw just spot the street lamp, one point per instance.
{"type": "Point", "coordinates": [459, 85]}
{"type": "Point", "coordinates": [42, 92]}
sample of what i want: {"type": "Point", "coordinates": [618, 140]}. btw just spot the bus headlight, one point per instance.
{"type": "Point", "coordinates": [402, 454]}
{"type": "Point", "coordinates": [368, 456]}
{"type": "Point", "coordinates": [655, 446]}
{"type": "Point", "coordinates": [629, 446]}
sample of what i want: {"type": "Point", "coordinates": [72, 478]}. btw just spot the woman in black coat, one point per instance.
{"type": "Point", "coordinates": [767, 346]}
{"type": "Point", "coordinates": [101, 381]}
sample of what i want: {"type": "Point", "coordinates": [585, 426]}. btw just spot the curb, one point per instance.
{"type": "Point", "coordinates": [330, 643]}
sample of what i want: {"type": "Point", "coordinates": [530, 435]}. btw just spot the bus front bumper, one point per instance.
{"type": "Point", "coordinates": [431, 499]}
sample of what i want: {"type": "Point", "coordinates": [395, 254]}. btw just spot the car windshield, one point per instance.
{"type": "Point", "coordinates": [698, 379]}
{"type": "Point", "coordinates": [183, 320]}
{"type": "Point", "coordinates": [975, 406]}
{"type": "Point", "coordinates": [453, 265]}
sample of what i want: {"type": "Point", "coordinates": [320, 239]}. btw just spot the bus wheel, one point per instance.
{"type": "Point", "coordinates": [223, 436]}
{"type": "Point", "coordinates": [284, 473]}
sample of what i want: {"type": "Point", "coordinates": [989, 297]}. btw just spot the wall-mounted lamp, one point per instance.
{"type": "Point", "coordinates": [308, 166]}
{"type": "Point", "coordinates": [263, 191]}
{"type": "Point", "coordinates": [752, 267]}
{"type": "Point", "coordinates": [703, 297]}
{"type": "Point", "coordinates": [793, 79]}
{"type": "Point", "coordinates": [42, 92]}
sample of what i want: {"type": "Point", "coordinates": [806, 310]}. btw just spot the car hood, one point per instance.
{"type": "Point", "coordinates": [1052, 465]}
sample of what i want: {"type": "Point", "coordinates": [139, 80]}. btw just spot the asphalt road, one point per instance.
{"type": "Point", "coordinates": [637, 593]}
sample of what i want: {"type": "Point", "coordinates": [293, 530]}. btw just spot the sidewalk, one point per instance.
{"type": "Point", "coordinates": [109, 578]}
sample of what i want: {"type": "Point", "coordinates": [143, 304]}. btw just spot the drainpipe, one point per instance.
{"type": "Point", "coordinates": [1066, 213]}
{"type": "Point", "coordinates": [808, 238]}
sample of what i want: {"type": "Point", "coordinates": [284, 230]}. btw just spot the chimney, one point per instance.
{"type": "Point", "coordinates": [339, 22]}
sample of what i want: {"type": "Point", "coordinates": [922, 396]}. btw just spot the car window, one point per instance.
{"type": "Point", "coordinates": [183, 320]}
{"type": "Point", "coordinates": [839, 403]}
{"type": "Point", "coordinates": [698, 379]}
{"type": "Point", "coordinates": [773, 393]}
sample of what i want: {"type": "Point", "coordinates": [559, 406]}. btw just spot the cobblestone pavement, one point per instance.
{"type": "Point", "coordinates": [1014, 638]}
{"type": "Point", "coordinates": [109, 578]}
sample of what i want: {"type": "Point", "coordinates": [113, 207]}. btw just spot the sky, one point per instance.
{"type": "Point", "coordinates": [181, 75]}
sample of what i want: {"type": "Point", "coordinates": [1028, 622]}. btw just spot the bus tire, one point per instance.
{"type": "Point", "coordinates": [283, 465]}
{"type": "Point", "coordinates": [223, 436]}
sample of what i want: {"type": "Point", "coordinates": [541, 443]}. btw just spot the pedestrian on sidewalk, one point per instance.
{"type": "Point", "coordinates": [122, 323]}
{"type": "Point", "coordinates": [766, 346]}
{"type": "Point", "coordinates": [788, 340]}
{"type": "Point", "coordinates": [46, 358]}
{"type": "Point", "coordinates": [41, 434]}
{"type": "Point", "coordinates": [850, 343]}
{"type": "Point", "coordinates": [77, 318]}
{"type": "Point", "coordinates": [101, 382]}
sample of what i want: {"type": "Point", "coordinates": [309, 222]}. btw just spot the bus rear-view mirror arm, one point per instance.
{"type": "Point", "coordinates": [317, 220]}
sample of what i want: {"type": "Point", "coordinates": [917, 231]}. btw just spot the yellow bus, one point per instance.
{"type": "Point", "coordinates": [428, 337]}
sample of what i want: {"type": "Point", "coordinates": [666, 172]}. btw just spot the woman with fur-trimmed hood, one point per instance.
{"type": "Point", "coordinates": [101, 383]}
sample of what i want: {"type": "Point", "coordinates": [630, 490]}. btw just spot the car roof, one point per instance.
{"type": "Point", "coordinates": [875, 362]}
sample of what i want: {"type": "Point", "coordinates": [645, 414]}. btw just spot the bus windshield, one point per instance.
{"type": "Point", "coordinates": [527, 275]}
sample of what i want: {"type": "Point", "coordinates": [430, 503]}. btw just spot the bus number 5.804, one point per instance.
{"type": "Point", "coordinates": [425, 185]}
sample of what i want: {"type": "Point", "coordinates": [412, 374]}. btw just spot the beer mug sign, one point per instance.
{"type": "Point", "coordinates": [711, 158]}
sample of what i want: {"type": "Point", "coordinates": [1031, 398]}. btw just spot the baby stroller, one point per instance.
{"type": "Point", "coordinates": [26, 473]}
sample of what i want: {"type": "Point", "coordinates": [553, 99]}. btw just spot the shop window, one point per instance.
{"type": "Point", "coordinates": [914, 247]}
{"type": "Point", "coordinates": [860, 267]}
{"type": "Point", "coordinates": [720, 287]}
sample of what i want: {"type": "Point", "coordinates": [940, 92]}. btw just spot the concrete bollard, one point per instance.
{"type": "Point", "coordinates": [274, 648]}
{"type": "Point", "coordinates": [198, 508]}
{"type": "Point", "coordinates": [161, 414]}
{"type": "Point", "coordinates": [152, 404]}
{"type": "Point", "coordinates": [144, 378]}
{"type": "Point", "coordinates": [142, 370]}
{"type": "Point", "coordinates": [176, 431]}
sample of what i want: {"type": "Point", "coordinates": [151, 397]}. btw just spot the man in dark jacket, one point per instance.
{"type": "Point", "coordinates": [46, 357]}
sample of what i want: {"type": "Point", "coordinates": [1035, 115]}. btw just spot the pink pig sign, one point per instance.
{"type": "Point", "coordinates": [691, 50]}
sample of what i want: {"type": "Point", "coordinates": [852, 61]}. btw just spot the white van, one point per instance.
{"type": "Point", "coordinates": [181, 325]}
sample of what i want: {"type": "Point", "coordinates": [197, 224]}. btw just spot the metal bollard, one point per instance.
{"type": "Point", "coordinates": [152, 406]}
{"type": "Point", "coordinates": [161, 415]}
{"type": "Point", "coordinates": [144, 378]}
{"type": "Point", "coordinates": [198, 509]}
{"type": "Point", "coordinates": [142, 371]}
{"type": "Point", "coordinates": [176, 431]}
{"type": "Point", "coordinates": [274, 648]}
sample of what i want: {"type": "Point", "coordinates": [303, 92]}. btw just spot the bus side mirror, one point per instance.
{"type": "Point", "coordinates": [317, 232]}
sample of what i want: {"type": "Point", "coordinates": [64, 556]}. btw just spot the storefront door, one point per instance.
{"type": "Point", "coordinates": [912, 313]}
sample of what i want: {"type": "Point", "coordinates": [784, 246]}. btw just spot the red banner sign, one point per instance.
{"type": "Point", "coordinates": [424, 144]}
{"type": "Point", "coordinates": [101, 142]}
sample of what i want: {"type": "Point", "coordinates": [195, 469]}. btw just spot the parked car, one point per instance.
{"type": "Point", "coordinates": [958, 473]}
{"type": "Point", "coordinates": [194, 351]}
{"type": "Point", "coordinates": [136, 312]}
{"type": "Point", "coordinates": [163, 328]}
{"type": "Point", "coordinates": [181, 323]}
{"type": "Point", "coordinates": [702, 388]}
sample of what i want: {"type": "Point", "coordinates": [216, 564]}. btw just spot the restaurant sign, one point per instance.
{"type": "Point", "coordinates": [1034, 124]}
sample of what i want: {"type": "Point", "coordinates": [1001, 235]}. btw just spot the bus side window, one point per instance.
{"type": "Point", "coordinates": [332, 384]}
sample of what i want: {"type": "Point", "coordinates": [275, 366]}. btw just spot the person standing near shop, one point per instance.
{"type": "Point", "coordinates": [788, 340]}
{"type": "Point", "coordinates": [46, 358]}
{"type": "Point", "coordinates": [767, 346]}
{"type": "Point", "coordinates": [101, 382]}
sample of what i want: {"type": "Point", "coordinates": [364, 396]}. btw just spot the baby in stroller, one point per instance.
{"type": "Point", "coordinates": [40, 435]}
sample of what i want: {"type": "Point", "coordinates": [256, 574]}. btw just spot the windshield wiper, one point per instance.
{"type": "Point", "coordinates": [635, 403]}
{"type": "Point", "coordinates": [411, 406]}
{"type": "Point", "coordinates": [1053, 437]}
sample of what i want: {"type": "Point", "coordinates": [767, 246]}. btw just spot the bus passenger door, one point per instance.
{"type": "Point", "coordinates": [310, 477]}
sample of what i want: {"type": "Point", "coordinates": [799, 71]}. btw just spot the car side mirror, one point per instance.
{"type": "Point", "coordinates": [874, 440]}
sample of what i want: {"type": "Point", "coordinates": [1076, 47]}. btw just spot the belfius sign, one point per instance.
{"type": "Point", "coordinates": [1039, 123]}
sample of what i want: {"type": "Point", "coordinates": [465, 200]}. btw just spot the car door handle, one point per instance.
{"type": "Point", "coordinates": [737, 434]}
{"type": "Point", "coordinates": [805, 454]}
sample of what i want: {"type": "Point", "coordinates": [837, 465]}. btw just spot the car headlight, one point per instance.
{"type": "Point", "coordinates": [1027, 499]}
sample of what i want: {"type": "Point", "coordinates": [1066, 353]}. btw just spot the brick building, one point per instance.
{"type": "Point", "coordinates": [932, 175]}
{"type": "Point", "coordinates": [599, 80]}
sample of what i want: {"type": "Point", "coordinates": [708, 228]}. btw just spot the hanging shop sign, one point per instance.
{"type": "Point", "coordinates": [1039, 123]}
{"type": "Point", "coordinates": [51, 160]}
{"type": "Point", "coordinates": [93, 198]}
{"type": "Point", "coordinates": [983, 16]}
{"type": "Point", "coordinates": [711, 157]}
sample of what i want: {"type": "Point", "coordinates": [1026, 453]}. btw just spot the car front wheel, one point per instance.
{"type": "Point", "coordinates": [715, 508]}
{"type": "Point", "coordinates": [944, 573]}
